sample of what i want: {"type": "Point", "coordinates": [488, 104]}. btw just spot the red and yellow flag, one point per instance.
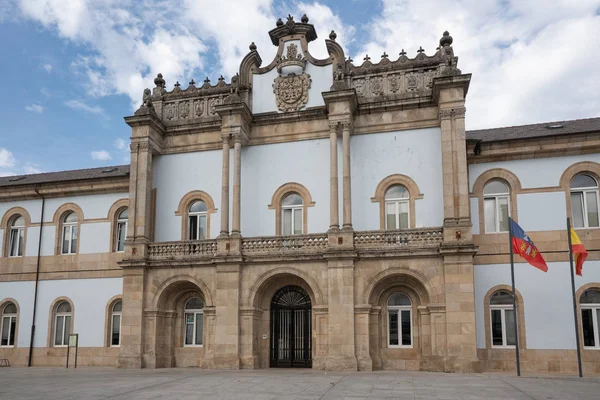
{"type": "Point", "coordinates": [579, 252]}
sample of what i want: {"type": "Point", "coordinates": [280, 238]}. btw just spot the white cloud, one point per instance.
{"type": "Point", "coordinates": [120, 144]}
{"type": "Point", "coordinates": [7, 159]}
{"type": "Point", "coordinates": [45, 92]}
{"type": "Point", "coordinates": [47, 67]}
{"type": "Point", "coordinates": [123, 147]}
{"type": "Point", "coordinates": [101, 155]}
{"type": "Point", "coordinates": [80, 105]}
{"type": "Point", "coordinates": [32, 168]}
{"type": "Point", "coordinates": [36, 108]}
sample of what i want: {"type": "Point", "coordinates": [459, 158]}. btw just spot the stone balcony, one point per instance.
{"type": "Point", "coordinates": [405, 242]}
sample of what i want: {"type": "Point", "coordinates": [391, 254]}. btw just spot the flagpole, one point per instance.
{"type": "Point", "coordinates": [514, 293]}
{"type": "Point", "coordinates": [574, 298]}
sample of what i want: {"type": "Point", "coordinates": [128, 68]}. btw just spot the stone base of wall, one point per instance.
{"type": "Point", "coordinates": [57, 356]}
{"type": "Point", "coordinates": [535, 361]}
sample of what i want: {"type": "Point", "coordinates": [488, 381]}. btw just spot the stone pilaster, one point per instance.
{"type": "Point", "coordinates": [341, 353]}
{"type": "Point", "coordinates": [361, 330]}
{"type": "Point", "coordinates": [249, 340]}
{"type": "Point", "coordinates": [132, 319]}
{"type": "Point", "coordinates": [227, 306]}
{"type": "Point", "coordinates": [237, 176]}
{"type": "Point", "coordinates": [346, 128]}
{"type": "Point", "coordinates": [334, 206]}
{"type": "Point", "coordinates": [225, 186]}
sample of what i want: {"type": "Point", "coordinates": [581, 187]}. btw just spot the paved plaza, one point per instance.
{"type": "Point", "coordinates": [97, 383]}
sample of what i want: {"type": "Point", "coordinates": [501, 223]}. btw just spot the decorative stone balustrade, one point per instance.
{"type": "Point", "coordinates": [421, 237]}
{"type": "Point", "coordinates": [285, 244]}
{"type": "Point", "coordinates": [182, 249]}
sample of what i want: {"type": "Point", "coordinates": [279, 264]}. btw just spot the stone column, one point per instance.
{"type": "Point", "coordinates": [375, 337]}
{"type": "Point", "coordinates": [346, 126]}
{"type": "Point", "coordinates": [237, 176]}
{"type": "Point", "coordinates": [225, 187]}
{"type": "Point", "coordinates": [340, 289]}
{"type": "Point", "coordinates": [334, 206]}
{"type": "Point", "coordinates": [227, 324]}
{"type": "Point", "coordinates": [361, 329]}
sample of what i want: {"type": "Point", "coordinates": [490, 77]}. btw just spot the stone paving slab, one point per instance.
{"type": "Point", "coordinates": [104, 383]}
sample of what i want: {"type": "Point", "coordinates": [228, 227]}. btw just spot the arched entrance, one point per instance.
{"type": "Point", "coordinates": [291, 344]}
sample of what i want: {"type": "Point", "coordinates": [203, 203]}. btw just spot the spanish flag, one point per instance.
{"type": "Point", "coordinates": [578, 251]}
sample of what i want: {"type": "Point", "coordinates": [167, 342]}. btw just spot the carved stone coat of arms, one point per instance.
{"type": "Point", "coordinates": [291, 92]}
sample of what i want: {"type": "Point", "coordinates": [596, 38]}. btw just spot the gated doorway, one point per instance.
{"type": "Point", "coordinates": [291, 343]}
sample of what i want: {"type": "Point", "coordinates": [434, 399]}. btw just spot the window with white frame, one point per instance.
{"type": "Point", "coordinates": [399, 311]}
{"type": "Point", "coordinates": [397, 204]}
{"type": "Point", "coordinates": [17, 236]}
{"type": "Point", "coordinates": [502, 319]}
{"type": "Point", "coordinates": [121, 232]}
{"type": "Point", "coordinates": [197, 214]}
{"type": "Point", "coordinates": [69, 233]}
{"type": "Point", "coordinates": [590, 318]}
{"type": "Point", "coordinates": [291, 214]}
{"type": "Point", "coordinates": [194, 322]}
{"type": "Point", "coordinates": [115, 323]}
{"type": "Point", "coordinates": [62, 324]}
{"type": "Point", "coordinates": [496, 206]}
{"type": "Point", "coordinates": [584, 201]}
{"type": "Point", "coordinates": [9, 325]}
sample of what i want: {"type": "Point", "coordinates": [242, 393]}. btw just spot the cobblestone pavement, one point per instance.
{"type": "Point", "coordinates": [102, 383]}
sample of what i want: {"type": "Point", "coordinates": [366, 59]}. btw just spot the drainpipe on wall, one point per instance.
{"type": "Point", "coordinates": [37, 278]}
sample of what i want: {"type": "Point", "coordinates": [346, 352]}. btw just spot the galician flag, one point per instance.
{"type": "Point", "coordinates": [523, 246]}
{"type": "Point", "coordinates": [579, 252]}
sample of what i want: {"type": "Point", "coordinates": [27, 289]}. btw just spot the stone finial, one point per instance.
{"type": "Point", "coordinates": [147, 98]}
{"type": "Point", "coordinates": [402, 53]}
{"type": "Point", "coordinates": [367, 58]}
{"type": "Point", "coordinates": [384, 55]}
{"type": "Point", "coordinates": [207, 80]}
{"type": "Point", "coordinates": [421, 50]}
{"type": "Point", "coordinates": [192, 82]}
{"type": "Point", "coordinates": [252, 46]}
{"type": "Point", "coordinates": [159, 81]}
{"type": "Point", "coordinates": [177, 84]}
{"type": "Point", "coordinates": [304, 19]}
{"type": "Point", "coordinates": [332, 35]}
{"type": "Point", "coordinates": [279, 22]}
{"type": "Point", "coordinates": [290, 18]}
{"type": "Point", "coordinates": [221, 78]}
{"type": "Point", "coordinates": [446, 39]}
{"type": "Point", "coordinates": [350, 59]}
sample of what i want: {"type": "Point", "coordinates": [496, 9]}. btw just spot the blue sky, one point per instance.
{"type": "Point", "coordinates": [73, 69]}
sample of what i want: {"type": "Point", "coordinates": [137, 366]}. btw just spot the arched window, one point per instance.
{"type": "Point", "coordinates": [197, 214]}
{"type": "Point", "coordinates": [17, 236]}
{"type": "Point", "coordinates": [502, 319]}
{"type": "Point", "coordinates": [121, 231]}
{"type": "Point", "coordinates": [69, 233]}
{"type": "Point", "coordinates": [584, 201]}
{"type": "Point", "coordinates": [62, 324]}
{"type": "Point", "coordinates": [9, 325]}
{"type": "Point", "coordinates": [399, 320]}
{"type": "Point", "coordinates": [194, 322]}
{"type": "Point", "coordinates": [397, 204]}
{"type": "Point", "coordinates": [590, 318]}
{"type": "Point", "coordinates": [291, 214]}
{"type": "Point", "coordinates": [115, 323]}
{"type": "Point", "coordinates": [496, 206]}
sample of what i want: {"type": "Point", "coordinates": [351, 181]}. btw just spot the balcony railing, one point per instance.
{"type": "Point", "coordinates": [192, 249]}
{"type": "Point", "coordinates": [285, 244]}
{"type": "Point", "coordinates": [420, 237]}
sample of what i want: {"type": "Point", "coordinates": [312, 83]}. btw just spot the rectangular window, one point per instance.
{"type": "Point", "coordinates": [297, 221]}
{"type": "Point", "coordinates": [592, 209]}
{"type": "Point", "coordinates": [390, 216]}
{"type": "Point", "coordinates": [58, 330]}
{"type": "Point", "coordinates": [115, 338]}
{"type": "Point", "coordinates": [587, 323]}
{"type": "Point", "coordinates": [189, 328]}
{"type": "Point", "coordinates": [16, 242]}
{"type": "Point", "coordinates": [193, 228]}
{"type": "Point", "coordinates": [202, 230]}
{"type": "Point", "coordinates": [67, 330]}
{"type": "Point", "coordinates": [406, 334]}
{"type": "Point", "coordinates": [489, 210]}
{"type": "Point", "coordinates": [8, 331]}
{"type": "Point", "coordinates": [503, 211]}
{"type": "Point", "coordinates": [403, 215]}
{"type": "Point", "coordinates": [287, 221]}
{"type": "Point", "coordinates": [121, 234]}
{"type": "Point", "coordinates": [497, 328]}
{"type": "Point", "coordinates": [509, 326]}
{"type": "Point", "coordinates": [199, 328]}
{"type": "Point", "coordinates": [577, 209]}
{"type": "Point", "coordinates": [393, 327]}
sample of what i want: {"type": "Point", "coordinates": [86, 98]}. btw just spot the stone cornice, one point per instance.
{"type": "Point", "coordinates": [445, 82]}
{"type": "Point", "coordinates": [147, 119]}
{"type": "Point", "coordinates": [341, 96]}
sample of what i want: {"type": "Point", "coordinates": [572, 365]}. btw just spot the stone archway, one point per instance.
{"type": "Point", "coordinates": [166, 325]}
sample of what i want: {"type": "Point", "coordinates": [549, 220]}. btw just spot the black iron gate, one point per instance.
{"type": "Point", "coordinates": [291, 328]}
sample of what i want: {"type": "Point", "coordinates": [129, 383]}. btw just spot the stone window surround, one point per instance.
{"type": "Point", "coordinates": [57, 220]}
{"type": "Point", "coordinates": [488, 321]}
{"type": "Point", "coordinates": [514, 187]}
{"type": "Point", "coordinates": [587, 167]}
{"type": "Point", "coordinates": [113, 214]}
{"type": "Point", "coordinates": [179, 339]}
{"type": "Point", "coordinates": [52, 318]}
{"type": "Point", "coordinates": [415, 315]}
{"type": "Point", "coordinates": [413, 192]}
{"type": "Point", "coordinates": [279, 195]}
{"type": "Point", "coordinates": [5, 225]}
{"type": "Point", "coordinates": [580, 291]}
{"type": "Point", "coordinates": [3, 303]}
{"type": "Point", "coordinates": [108, 319]}
{"type": "Point", "coordinates": [183, 208]}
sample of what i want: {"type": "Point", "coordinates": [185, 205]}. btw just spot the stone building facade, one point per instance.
{"type": "Point", "coordinates": [309, 213]}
